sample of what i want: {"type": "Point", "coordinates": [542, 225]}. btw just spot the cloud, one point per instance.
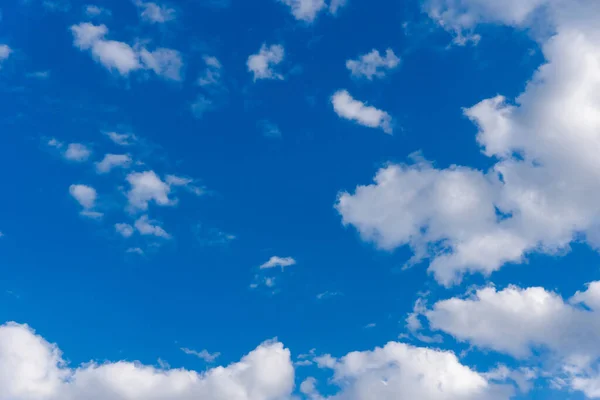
{"type": "Point", "coordinates": [124, 230]}
{"type": "Point", "coordinates": [212, 73]}
{"type": "Point", "coordinates": [86, 197]}
{"type": "Point", "coordinates": [305, 10]}
{"type": "Point", "coordinates": [122, 139]}
{"type": "Point", "coordinates": [146, 187]}
{"type": "Point", "coordinates": [522, 322]}
{"type": "Point", "coordinates": [92, 11]}
{"type": "Point", "coordinates": [275, 262]}
{"type": "Point", "coordinates": [203, 355]}
{"type": "Point", "coordinates": [354, 110]}
{"type": "Point", "coordinates": [42, 75]}
{"type": "Point", "coordinates": [111, 161]}
{"type": "Point", "coordinates": [147, 227]}
{"type": "Point", "coordinates": [76, 152]}
{"type": "Point", "coordinates": [261, 64]}
{"type": "Point", "coordinates": [135, 250]}
{"type": "Point", "coordinates": [373, 65]}
{"type": "Point", "coordinates": [120, 56]}
{"type": "Point", "coordinates": [154, 13]}
{"type": "Point", "coordinates": [269, 129]}
{"type": "Point", "coordinates": [33, 369]}
{"type": "Point", "coordinates": [401, 372]}
{"type": "Point", "coordinates": [336, 5]}
{"type": "Point", "coordinates": [538, 196]}
{"type": "Point", "coordinates": [328, 295]}
{"type": "Point", "coordinates": [201, 105]}
{"type": "Point", "coordinates": [4, 52]}
{"type": "Point", "coordinates": [164, 62]}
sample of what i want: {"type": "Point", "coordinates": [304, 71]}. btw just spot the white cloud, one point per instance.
{"type": "Point", "coordinates": [120, 56]}
{"type": "Point", "coordinates": [146, 187]}
{"type": "Point", "coordinates": [155, 13]}
{"type": "Point", "coordinates": [188, 183]}
{"type": "Point", "coordinates": [212, 74]}
{"type": "Point", "coordinates": [33, 369]}
{"type": "Point", "coordinates": [275, 262]}
{"type": "Point", "coordinates": [122, 139]}
{"type": "Point", "coordinates": [540, 193]}
{"type": "Point", "coordinates": [75, 151]}
{"type": "Point", "coordinates": [92, 11]}
{"type": "Point", "coordinates": [401, 372]}
{"type": "Point", "coordinates": [305, 10]}
{"type": "Point", "coordinates": [261, 64]}
{"type": "Point", "coordinates": [164, 62]}
{"type": "Point", "coordinates": [124, 230]}
{"type": "Point", "coordinates": [328, 295]}
{"type": "Point", "coordinates": [203, 355]}
{"type": "Point", "coordinates": [201, 105]}
{"type": "Point", "coordinates": [354, 110]}
{"type": "Point", "coordinates": [86, 197]}
{"type": "Point", "coordinates": [135, 250]}
{"type": "Point", "coordinates": [336, 5]}
{"type": "Point", "coordinates": [4, 52]}
{"type": "Point", "coordinates": [147, 227]}
{"type": "Point", "coordinates": [111, 161]}
{"type": "Point", "coordinates": [373, 65]}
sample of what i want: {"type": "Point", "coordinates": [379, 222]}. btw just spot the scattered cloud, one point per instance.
{"type": "Point", "coordinates": [135, 250]}
{"type": "Point", "coordinates": [92, 11]}
{"type": "Point", "coordinates": [201, 105]}
{"type": "Point", "coordinates": [86, 196]}
{"type": "Point", "coordinates": [147, 227]}
{"type": "Point", "coordinates": [155, 13]}
{"type": "Point", "coordinates": [124, 230]}
{"type": "Point", "coordinates": [122, 139]}
{"type": "Point", "coordinates": [275, 262]}
{"type": "Point", "coordinates": [212, 72]}
{"type": "Point", "coordinates": [262, 64]}
{"type": "Point", "coordinates": [354, 110]}
{"type": "Point", "coordinates": [146, 187]}
{"type": "Point", "coordinates": [111, 161]}
{"type": "Point", "coordinates": [269, 129]}
{"type": "Point", "coordinates": [166, 63]}
{"type": "Point", "coordinates": [305, 10]}
{"type": "Point", "coordinates": [373, 65]}
{"type": "Point", "coordinates": [42, 75]}
{"type": "Point", "coordinates": [77, 152]}
{"type": "Point", "coordinates": [328, 295]}
{"type": "Point", "coordinates": [336, 5]}
{"type": "Point", "coordinates": [203, 355]}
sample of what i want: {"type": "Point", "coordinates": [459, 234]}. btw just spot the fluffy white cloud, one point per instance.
{"type": "Point", "coordinates": [305, 10]}
{"type": "Point", "coordinates": [33, 369]}
{"type": "Point", "coordinates": [147, 227]}
{"type": "Point", "coordinates": [86, 197]}
{"type": "Point", "coordinates": [155, 13]}
{"type": "Point", "coordinates": [120, 56]}
{"type": "Point", "coordinates": [124, 230]}
{"type": "Point", "coordinates": [203, 354]}
{"type": "Point", "coordinates": [373, 65]}
{"type": "Point", "coordinates": [76, 152]}
{"type": "Point", "coordinates": [4, 52]}
{"type": "Point", "coordinates": [122, 139]}
{"type": "Point", "coordinates": [276, 261]}
{"type": "Point", "coordinates": [164, 62]}
{"type": "Point", "coordinates": [540, 193]}
{"type": "Point", "coordinates": [146, 187]}
{"type": "Point", "coordinates": [92, 11]}
{"type": "Point", "coordinates": [111, 161]}
{"type": "Point", "coordinates": [354, 110]}
{"type": "Point", "coordinates": [401, 372]}
{"type": "Point", "coordinates": [262, 64]}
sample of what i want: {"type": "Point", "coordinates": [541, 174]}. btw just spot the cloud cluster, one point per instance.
{"type": "Point", "coordinates": [308, 10]}
{"type": "Point", "coordinates": [123, 58]}
{"type": "Point", "coordinates": [351, 109]}
{"type": "Point", "coordinates": [373, 64]}
{"type": "Point", "coordinates": [538, 196]}
{"type": "Point", "coordinates": [262, 64]}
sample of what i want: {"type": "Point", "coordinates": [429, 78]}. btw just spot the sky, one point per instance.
{"type": "Point", "coordinates": [299, 199]}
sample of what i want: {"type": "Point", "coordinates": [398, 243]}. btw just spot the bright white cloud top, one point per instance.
{"type": "Point", "coordinates": [373, 65]}
{"type": "Point", "coordinates": [355, 110]}
{"type": "Point", "coordinates": [262, 65]}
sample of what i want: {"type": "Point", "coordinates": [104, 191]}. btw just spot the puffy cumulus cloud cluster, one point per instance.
{"type": "Point", "coordinates": [519, 321]}
{"type": "Point", "coordinates": [33, 369]}
{"type": "Point", "coordinates": [308, 10]}
{"type": "Point", "coordinates": [122, 57]}
{"type": "Point", "coordinates": [539, 195]}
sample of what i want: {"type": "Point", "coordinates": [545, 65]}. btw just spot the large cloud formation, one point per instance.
{"type": "Point", "coordinates": [541, 193]}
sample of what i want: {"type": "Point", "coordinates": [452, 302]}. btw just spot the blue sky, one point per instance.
{"type": "Point", "coordinates": [299, 199]}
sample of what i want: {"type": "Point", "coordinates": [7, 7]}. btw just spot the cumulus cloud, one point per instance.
{"type": "Point", "coordinates": [33, 369]}
{"type": "Point", "coordinates": [155, 13]}
{"type": "Point", "coordinates": [276, 261]}
{"type": "Point", "coordinates": [111, 161]}
{"type": "Point", "coordinates": [76, 152]}
{"type": "Point", "coordinates": [373, 65]}
{"type": "Point", "coordinates": [123, 58]}
{"type": "Point", "coordinates": [147, 227]}
{"type": "Point", "coordinates": [124, 230]}
{"type": "Point", "coordinates": [146, 187]}
{"type": "Point", "coordinates": [262, 64]}
{"type": "Point", "coordinates": [92, 11]}
{"type": "Point", "coordinates": [122, 139]}
{"type": "Point", "coordinates": [540, 193]}
{"type": "Point", "coordinates": [86, 197]}
{"type": "Point", "coordinates": [203, 354]}
{"type": "Point", "coordinates": [305, 10]}
{"type": "Point", "coordinates": [354, 110]}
